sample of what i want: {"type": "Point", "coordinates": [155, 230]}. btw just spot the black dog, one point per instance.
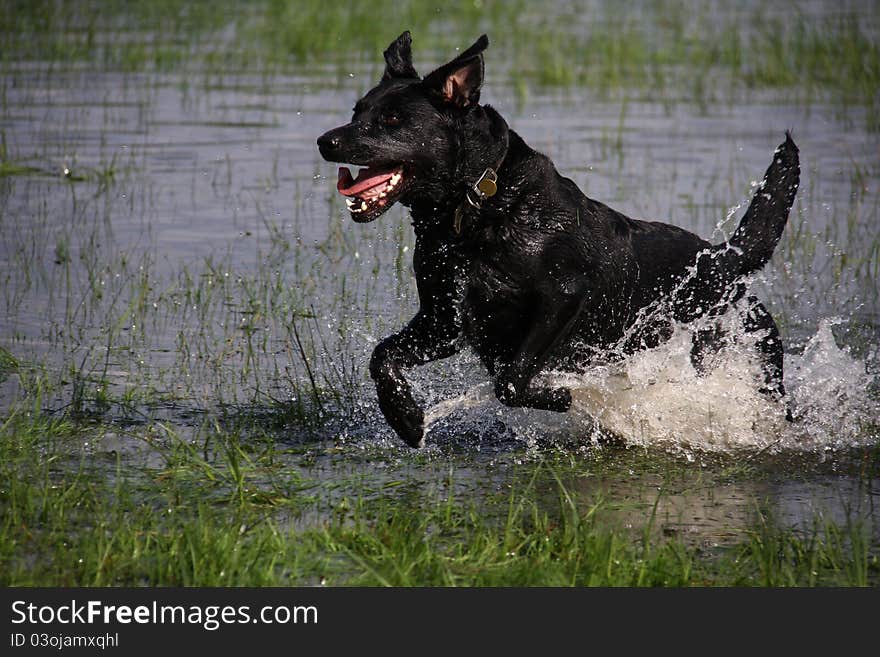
{"type": "Point", "coordinates": [512, 259]}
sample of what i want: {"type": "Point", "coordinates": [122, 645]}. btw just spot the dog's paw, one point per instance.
{"type": "Point", "coordinates": [404, 415]}
{"type": "Point", "coordinates": [410, 425]}
{"type": "Point", "coordinates": [539, 397]}
{"type": "Point", "coordinates": [560, 399]}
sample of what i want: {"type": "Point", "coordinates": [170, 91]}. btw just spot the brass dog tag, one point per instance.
{"type": "Point", "coordinates": [487, 183]}
{"type": "Point", "coordinates": [486, 186]}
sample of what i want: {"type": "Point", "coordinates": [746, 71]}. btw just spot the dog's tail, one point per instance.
{"type": "Point", "coordinates": [720, 269]}
{"type": "Point", "coordinates": [761, 227]}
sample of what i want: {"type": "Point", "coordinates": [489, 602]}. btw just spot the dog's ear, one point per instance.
{"type": "Point", "coordinates": [398, 58]}
{"type": "Point", "coordinates": [459, 81]}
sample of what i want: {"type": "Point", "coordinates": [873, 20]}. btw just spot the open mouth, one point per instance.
{"type": "Point", "coordinates": [375, 189]}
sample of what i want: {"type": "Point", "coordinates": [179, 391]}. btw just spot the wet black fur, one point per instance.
{"type": "Point", "coordinates": [540, 276]}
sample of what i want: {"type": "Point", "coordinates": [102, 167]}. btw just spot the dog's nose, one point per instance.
{"type": "Point", "coordinates": [328, 140]}
{"type": "Point", "coordinates": [329, 144]}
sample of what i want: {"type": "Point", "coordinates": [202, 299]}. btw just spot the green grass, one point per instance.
{"type": "Point", "coordinates": [8, 364]}
{"type": "Point", "coordinates": [230, 510]}
{"type": "Point", "coordinates": [15, 169]}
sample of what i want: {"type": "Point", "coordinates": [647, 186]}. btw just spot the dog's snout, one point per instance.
{"type": "Point", "coordinates": [329, 144]}
{"type": "Point", "coordinates": [328, 140]}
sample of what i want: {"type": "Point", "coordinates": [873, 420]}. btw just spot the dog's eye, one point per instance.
{"type": "Point", "coordinates": [391, 119]}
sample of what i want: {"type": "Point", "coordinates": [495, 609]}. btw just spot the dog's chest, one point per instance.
{"type": "Point", "coordinates": [498, 301]}
{"type": "Point", "coordinates": [501, 269]}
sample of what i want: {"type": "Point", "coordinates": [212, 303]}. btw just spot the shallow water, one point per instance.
{"type": "Point", "coordinates": [172, 231]}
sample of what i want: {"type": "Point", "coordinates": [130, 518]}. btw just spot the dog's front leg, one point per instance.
{"type": "Point", "coordinates": [514, 383]}
{"type": "Point", "coordinates": [424, 339]}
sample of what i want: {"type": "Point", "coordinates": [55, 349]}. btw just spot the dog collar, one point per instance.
{"type": "Point", "coordinates": [485, 187]}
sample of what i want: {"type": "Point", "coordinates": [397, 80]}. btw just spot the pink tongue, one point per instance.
{"type": "Point", "coordinates": [366, 179]}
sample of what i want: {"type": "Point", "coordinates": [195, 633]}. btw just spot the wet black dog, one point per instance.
{"type": "Point", "coordinates": [512, 259]}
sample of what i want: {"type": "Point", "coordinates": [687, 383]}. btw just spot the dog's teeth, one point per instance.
{"type": "Point", "coordinates": [395, 179]}
{"type": "Point", "coordinates": [363, 205]}
{"type": "Point", "coordinates": [349, 203]}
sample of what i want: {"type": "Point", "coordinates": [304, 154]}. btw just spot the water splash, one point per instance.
{"type": "Point", "coordinates": [656, 398]}
{"type": "Point", "coordinates": [831, 393]}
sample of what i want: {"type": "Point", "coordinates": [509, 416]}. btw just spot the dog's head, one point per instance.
{"type": "Point", "coordinates": [405, 132]}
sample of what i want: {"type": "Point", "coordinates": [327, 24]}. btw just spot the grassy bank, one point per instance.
{"type": "Point", "coordinates": [233, 510]}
